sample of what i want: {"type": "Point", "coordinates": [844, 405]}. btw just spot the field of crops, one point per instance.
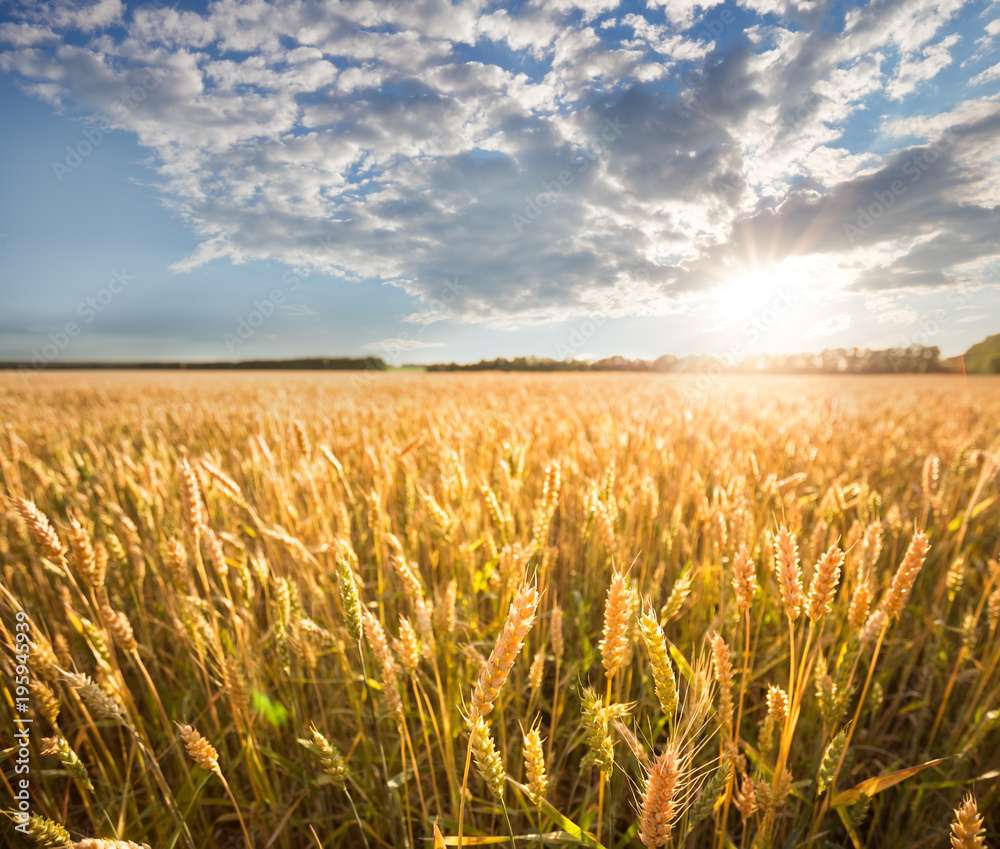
{"type": "Point", "coordinates": [407, 610]}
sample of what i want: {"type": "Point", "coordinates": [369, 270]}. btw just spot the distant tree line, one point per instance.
{"type": "Point", "coordinates": [311, 363]}
{"type": "Point", "coordinates": [664, 363]}
{"type": "Point", "coordinates": [915, 359]}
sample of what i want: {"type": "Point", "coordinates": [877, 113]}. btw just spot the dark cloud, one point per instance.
{"type": "Point", "coordinates": [920, 195]}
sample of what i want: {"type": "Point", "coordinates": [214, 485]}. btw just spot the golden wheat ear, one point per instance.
{"type": "Point", "coordinates": [744, 579]}
{"type": "Point", "coordinates": [967, 828]}
{"type": "Point", "coordinates": [519, 620]}
{"type": "Point", "coordinates": [789, 573]}
{"type": "Point", "coordinates": [201, 751]}
{"type": "Point", "coordinates": [824, 583]}
{"type": "Point", "coordinates": [659, 806]}
{"type": "Point", "coordinates": [617, 612]}
{"type": "Point", "coordinates": [40, 530]}
{"type": "Point", "coordinates": [534, 766]}
{"type": "Point", "coordinates": [906, 575]}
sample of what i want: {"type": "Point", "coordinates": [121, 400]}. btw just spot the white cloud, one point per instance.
{"type": "Point", "coordinates": [424, 318]}
{"type": "Point", "coordinates": [681, 13]}
{"type": "Point", "coordinates": [991, 73]}
{"type": "Point", "coordinates": [914, 70]}
{"type": "Point", "coordinates": [26, 35]}
{"type": "Point", "coordinates": [909, 26]}
{"type": "Point", "coordinates": [401, 343]}
{"type": "Point", "coordinates": [297, 310]}
{"type": "Point", "coordinates": [834, 324]}
{"type": "Point", "coordinates": [82, 16]}
{"type": "Point", "coordinates": [928, 127]}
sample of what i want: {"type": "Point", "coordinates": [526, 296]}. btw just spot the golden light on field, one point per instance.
{"type": "Point", "coordinates": [366, 608]}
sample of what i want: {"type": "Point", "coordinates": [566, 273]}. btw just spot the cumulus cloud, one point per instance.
{"type": "Point", "coordinates": [548, 158]}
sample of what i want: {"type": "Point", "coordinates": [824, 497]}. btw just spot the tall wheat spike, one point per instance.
{"type": "Point", "coordinates": [664, 681]}
{"type": "Point", "coordinates": [617, 611]}
{"type": "Point", "coordinates": [789, 573]}
{"type": "Point", "coordinates": [744, 579]}
{"type": "Point", "coordinates": [192, 509]}
{"type": "Point", "coordinates": [488, 759]}
{"type": "Point", "coordinates": [824, 583]}
{"type": "Point", "coordinates": [722, 661]}
{"type": "Point", "coordinates": [519, 620]}
{"type": "Point", "coordinates": [40, 529]}
{"type": "Point", "coordinates": [534, 766]}
{"type": "Point", "coordinates": [390, 672]}
{"type": "Point", "coordinates": [906, 575]}
{"type": "Point", "coordinates": [659, 806]}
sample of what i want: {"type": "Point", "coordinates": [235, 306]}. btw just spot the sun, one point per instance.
{"type": "Point", "coordinates": [744, 296]}
{"type": "Point", "coordinates": [757, 307]}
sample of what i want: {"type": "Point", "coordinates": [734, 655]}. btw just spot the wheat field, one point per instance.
{"type": "Point", "coordinates": [406, 610]}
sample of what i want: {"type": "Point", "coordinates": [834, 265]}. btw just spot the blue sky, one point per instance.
{"type": "Point", "coordinates": [432, 181]}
